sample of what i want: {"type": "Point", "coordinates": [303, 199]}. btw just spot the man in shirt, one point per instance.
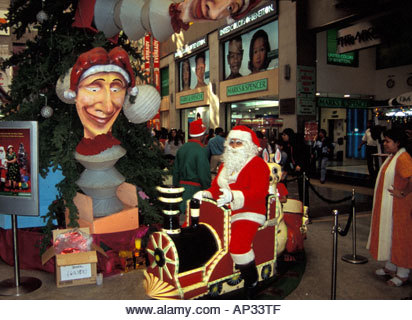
{"type": "Point", "coordinates": [371, 148]}
{"type": "Point", "coordinates": [215, 149]}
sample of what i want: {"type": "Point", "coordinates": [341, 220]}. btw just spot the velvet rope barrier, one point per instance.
{"type": "Point", "coordinates": [325, 199]}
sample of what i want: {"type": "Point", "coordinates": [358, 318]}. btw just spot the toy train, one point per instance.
{"type": "Point", "coordinates": [193, 261]}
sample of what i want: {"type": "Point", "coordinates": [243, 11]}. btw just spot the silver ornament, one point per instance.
{"type": "Point", "coordinates": [42, 16]}
{"type": "Point", "coordinates": [46, 112]}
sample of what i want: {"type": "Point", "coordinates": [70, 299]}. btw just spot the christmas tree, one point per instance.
{"type": "Point", "coordinates": [50, 54]}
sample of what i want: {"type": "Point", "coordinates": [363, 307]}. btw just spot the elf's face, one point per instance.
{"type": "Point", "coordinates": [99, 101]}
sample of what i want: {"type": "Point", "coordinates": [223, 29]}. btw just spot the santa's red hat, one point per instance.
{"type": "Point", "coordinates": [99, 60]}
{"type": "Point", "coordinates": [197, 128]}
{"type": "Point", "coordinates": [244, 133]}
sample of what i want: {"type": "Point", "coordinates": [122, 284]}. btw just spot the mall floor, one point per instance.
{"type": "Point", "coordinates": [353, 281]}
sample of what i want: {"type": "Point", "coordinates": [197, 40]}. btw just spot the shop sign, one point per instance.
{"type": "Point", "coordinates": [190, 48]}
{"type": "Point", "coordinates": [359, 36]}
{"type": "Point", "coordinates": [247, 87]}
{"type": "Point", "coordinates": [305, 90]}
{"type": "Point", "coordinates": [262, 13]}
{"type": "Point", "coordinates": [327, 102]}
{"type": "Point", "coordinates": [350, 59]}
{"type": "Point", "coordinates": [305, 107]}
{"type": "Point", "coordinates": [192, 98]}
{"type": "Point", "coordinates": [405, 99]}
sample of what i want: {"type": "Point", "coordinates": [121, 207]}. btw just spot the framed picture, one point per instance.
{"type": "Point", "coordinates": [19, 168]}
{"type": "Point", "coordinates": [3, 20]}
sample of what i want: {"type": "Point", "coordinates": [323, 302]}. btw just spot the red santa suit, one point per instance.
{"type": "Point", "coordinates": [249, 189]}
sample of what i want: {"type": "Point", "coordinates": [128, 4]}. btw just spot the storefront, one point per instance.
{"type": "Point", "coordinates": [249, 84]}
{"type": "Point", "coordinates": [193, 83]}
{"type": "Point", "coordinates": [345, 121]}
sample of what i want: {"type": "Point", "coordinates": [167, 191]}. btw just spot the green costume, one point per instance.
{"type": "Point", "coordinates": [191, 170]}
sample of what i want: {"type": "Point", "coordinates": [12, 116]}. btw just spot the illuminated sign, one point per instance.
{"type": "Point", "coordinates": [349, 59]}
{"type": "Point", "coordinates": [251, 18]}
{"type": "Point", "coordinates": [328, 102]}
{"type": "Point", "coordinates": [248, 87]}
{"type": "Point", "coordinates": [359, 36]}
{"type": "Point", "coordinates": [192, 98]}
{"type": "Point", "coordinates": [189, 48]}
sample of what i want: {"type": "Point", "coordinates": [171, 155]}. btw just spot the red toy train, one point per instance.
{"type": "Point", "coordinates": [194, 261]}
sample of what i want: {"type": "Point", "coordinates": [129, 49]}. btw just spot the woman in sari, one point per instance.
{"type": "Point", "coordinates": [390, 234]}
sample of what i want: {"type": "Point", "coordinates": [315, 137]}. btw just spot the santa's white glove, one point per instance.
{"type": "Point", "coordinates": [198, 195]}
{"type": "Point", "coordinates": [225, 197]}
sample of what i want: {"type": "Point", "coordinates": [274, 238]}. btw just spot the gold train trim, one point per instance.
{"type": "Point", "coordinates": [158, 289]}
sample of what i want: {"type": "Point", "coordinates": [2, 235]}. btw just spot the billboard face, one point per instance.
{"type": "Point", "coordinates": [252, 52]}
{"type": "Point", "coordinates": [194, 71]}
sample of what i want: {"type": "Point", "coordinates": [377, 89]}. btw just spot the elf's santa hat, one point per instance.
{"type": "Point", "coordinates": [142, 102]}
{"type": "Point", "coordinates": [245, 134]}
{"type": "Point", "coordinates": [99, 60]}
{"type": "Point", "coordinates": [197, 128]}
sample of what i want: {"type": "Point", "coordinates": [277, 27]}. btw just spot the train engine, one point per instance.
{"type": "Point", "coordinates": [193, 261]}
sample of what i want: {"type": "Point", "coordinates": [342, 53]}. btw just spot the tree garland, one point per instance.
{"type": "Point", "coordinates": [44, 59]}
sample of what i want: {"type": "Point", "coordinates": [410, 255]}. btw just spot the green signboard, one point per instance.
{"type": "Point", "coordinates": [326, 102]}
{"type": "Point", "coordinates": [349, 59]}
{"type": "Point", "coordinates": [164, 82]}
{"type": "Point", "coordinates": [192, 98]}
{"type": "Point", "coordinates": [247, 87]}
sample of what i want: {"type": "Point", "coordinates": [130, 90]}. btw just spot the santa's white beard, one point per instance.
{"type": "Point", "coordinates": [234, 159]}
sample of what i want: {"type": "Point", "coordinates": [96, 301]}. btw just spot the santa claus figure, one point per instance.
{"type": "Point", "coordinates": [242, 184]}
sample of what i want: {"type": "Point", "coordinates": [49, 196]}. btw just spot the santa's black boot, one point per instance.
{"type": "Point", "coordinates": [250, 275]}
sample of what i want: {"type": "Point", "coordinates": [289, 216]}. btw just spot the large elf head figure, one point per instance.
{"type": "Point", "coordinates": [99, 83]}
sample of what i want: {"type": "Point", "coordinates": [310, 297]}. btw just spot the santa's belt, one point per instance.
{"type": "Point", "coordinates": [190, 183]}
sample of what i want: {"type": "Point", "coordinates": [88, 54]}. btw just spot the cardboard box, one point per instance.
{"type": "Point", "coordinates": [73, 269]}
{"type": "Point", "coordinates": [125, 220]}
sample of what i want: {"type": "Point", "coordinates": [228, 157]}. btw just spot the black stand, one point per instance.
{"type": "Point", "coordinates": [19, 285]}
{"type": "Point", "coordinates": [354, 258]}
{"type": "Point", "coordinates": [335, 231]}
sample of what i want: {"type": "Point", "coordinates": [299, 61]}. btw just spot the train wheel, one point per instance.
{"type": "Point", "coordinates": [234, 280]}
{"type": "Point", "coordinates": [215, 289]}
{"type": "Point", "coordinates": [162, 255]}
{"type": "Point", "coordinates": [266, 272]}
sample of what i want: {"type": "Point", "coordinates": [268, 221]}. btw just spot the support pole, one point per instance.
{"type": "Point", "coordinates": [304, 189]}
{"type": "Point", "coordinates": [354, 258]}
{"type": "Point", "coordinates": [335, 253]}
{"type": "Point", "coordinates": [19, 285]}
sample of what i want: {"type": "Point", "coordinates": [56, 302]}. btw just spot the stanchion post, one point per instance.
{"type": "Point", "coordinates": [354, 258]}
{"type": "Point", "coordinates": [335, 253]}
{"type": "Point", "coordinates": [19, 285]}
{"type": "Point", "coordinates": [304, 189]}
